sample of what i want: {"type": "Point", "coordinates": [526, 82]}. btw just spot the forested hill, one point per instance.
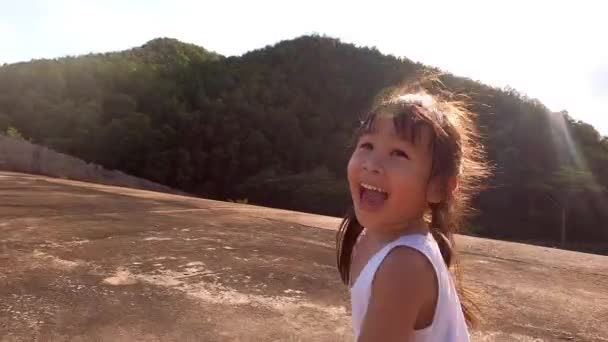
{"type": "Point", "coordinates": [275, 124]}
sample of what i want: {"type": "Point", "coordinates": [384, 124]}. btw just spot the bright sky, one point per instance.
{"type": "Point", "coordinates": [555, 51]}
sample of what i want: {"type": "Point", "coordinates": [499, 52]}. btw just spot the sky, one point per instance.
{"type": "Point", "coordinates": [555, 51]}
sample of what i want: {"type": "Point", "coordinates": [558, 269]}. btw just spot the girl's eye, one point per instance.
{"type": "Point", "coordinates": [400, 153]}
{"type": "Point", "coordinates": [366, 146]}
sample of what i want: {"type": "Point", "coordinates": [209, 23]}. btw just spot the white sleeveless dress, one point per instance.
{"type": "Point", "coordinates": [448, 324]}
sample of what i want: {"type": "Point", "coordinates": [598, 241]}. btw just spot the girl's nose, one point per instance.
{"type": "Point", "coordinates": [373, 165]}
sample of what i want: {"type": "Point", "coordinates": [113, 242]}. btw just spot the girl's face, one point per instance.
{"type": "Point", "coordinates": [388, 177]}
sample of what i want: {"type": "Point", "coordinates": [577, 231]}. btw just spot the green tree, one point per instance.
{"type": "Point", "coordinates": [275, 126]}
{"type": "Point", "coordinates": [13, 133]}
{"type": "Point", "coordinates": [563, 188]}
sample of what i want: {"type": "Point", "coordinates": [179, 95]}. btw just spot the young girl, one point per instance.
{"type": "Point", "coordinates": [410, 175]}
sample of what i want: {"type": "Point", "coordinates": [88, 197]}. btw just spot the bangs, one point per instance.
{"type": "Point", "coordinates": [408, 122]}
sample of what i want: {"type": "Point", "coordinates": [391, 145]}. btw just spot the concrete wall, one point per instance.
{"type": "Point", "coordinates": [22, 156]}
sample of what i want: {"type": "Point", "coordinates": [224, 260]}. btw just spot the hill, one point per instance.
{"type": "Point", "coordinates": [86, 262]}
{"type": "Point", "coordinates": [275, 124]}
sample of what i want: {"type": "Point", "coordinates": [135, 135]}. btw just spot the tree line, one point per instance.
{"type": "Point", "coordinates": [275, 126]}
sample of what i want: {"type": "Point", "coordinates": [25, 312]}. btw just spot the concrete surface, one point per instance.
{"type": "Point", "coordinates": [85, 262]}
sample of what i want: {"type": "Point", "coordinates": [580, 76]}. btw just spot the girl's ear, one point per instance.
{"type": "Point", "coordinates": [440, 189]}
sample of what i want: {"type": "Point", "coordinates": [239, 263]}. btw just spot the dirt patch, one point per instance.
{"type": "Point", "coordinates": [121, 278]}
{"type": "Point", "coordinates": [82, 262]}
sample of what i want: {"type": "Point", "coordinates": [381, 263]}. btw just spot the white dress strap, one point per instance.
{"type": "Point", "coordinates": [448, 322]}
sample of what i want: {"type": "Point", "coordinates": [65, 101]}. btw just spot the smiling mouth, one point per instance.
{"type": "Point", "coordinates": [372, 197]}
{"type": "Point", "coordinates": [372, 188]}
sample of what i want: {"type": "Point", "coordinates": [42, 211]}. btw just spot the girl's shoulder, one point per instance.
{"type": "Point", "coordinates": [408, 257]}
{"type": "Point", "coordinates": [403, 291]}
{"type": "Point", "coordinates": [404, 262]}
{"type": "Point", "coordinates": [414, 250]}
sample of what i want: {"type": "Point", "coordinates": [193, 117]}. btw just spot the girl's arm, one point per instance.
{"type": "Point", "coordinates": [404, 284]}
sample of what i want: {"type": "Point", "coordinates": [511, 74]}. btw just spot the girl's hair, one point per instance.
{"type": "Point", "coordinates": [455, 153]}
